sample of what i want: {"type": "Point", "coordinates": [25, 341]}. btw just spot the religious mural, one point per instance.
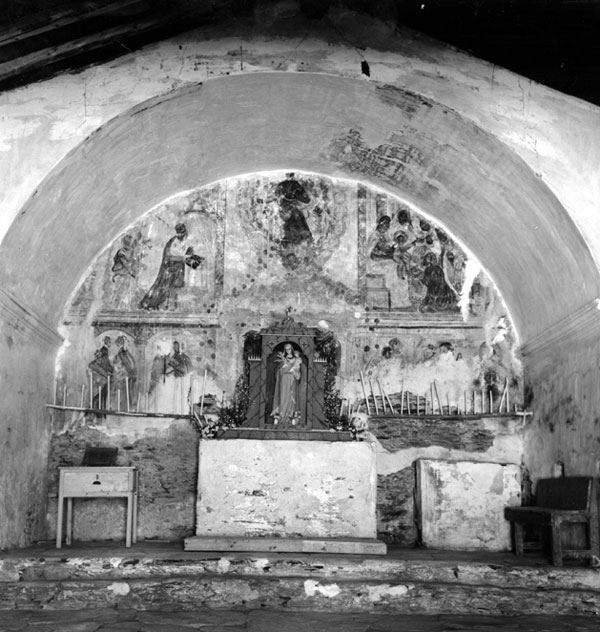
{"type": "Point", "coordinates": [112, 374]}
{"type": "Point", "coordinates": [161, 321]}
{"type": "Point", "coordinates": [412, 265]}
{"type": "Point", "coordinates": [284, 305]}
{"type": "Point", "coordinates": [291, 237]}
{"type": "Point", "coordinates": [436, 369]}
{"type": "Point", "coordinates": [170, 382]}
{"type": "Point", "coordinates": [171, 276]}
{"type": "Point", "coordinates": [168, 262]}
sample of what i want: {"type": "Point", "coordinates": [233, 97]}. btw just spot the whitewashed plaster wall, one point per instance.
{"type": "Point", "coordinates": [556, 135]}
{"type": "Point", "coordinates": [40, 124]}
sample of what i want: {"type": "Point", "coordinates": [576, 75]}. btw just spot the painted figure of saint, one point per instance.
{"type": "Point", "coordinates": [381, 245]}
{"type": "Point", "coordinates": [291, 195]}
{"type": "Point", "coordinates": [177, 254]}
{"type": "Point", "coordinates": [177, 363]}
{"type": "Point", "coordinates": [123, 260]}
{"type": "Point", "coordinates": [440, 296]}
{"type": "Point", "coordinates": [125, 371]}
{"type": "Point", "coordinates": [381, 248]}
{"type": "Point", "coordinates": [401, 253]}
{"type": "Point", "coordinates": [101, 368]}
{"type": "Point", "coordinates": [286, 398]}
{"type": "Point", "coordinates": [170, 380]}
{"type": "Point", "coordinates": [452, 260]}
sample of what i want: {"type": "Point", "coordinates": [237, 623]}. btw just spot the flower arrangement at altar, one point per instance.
{"type": "Point", "coordinates": [227, 416]}
{"type": "Point", "coordinates": [328, 348]}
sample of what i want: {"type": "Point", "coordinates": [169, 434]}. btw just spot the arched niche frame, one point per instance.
{"type": "Point", "coordinates": [409, 145]}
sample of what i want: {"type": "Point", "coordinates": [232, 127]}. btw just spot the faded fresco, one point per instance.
{"type": "Point", "coordinates": [167, 262]}
{"type": "Point", "coordinates": [436, 370]}
{"type": "Point", "coordinates": [160, 320]}
{"type": "Point", "coordinates": [291, 238]}
{"type": "Point", "coordinates": [292, 302]}
{"type": "Point", "coordinates": [411, 264]}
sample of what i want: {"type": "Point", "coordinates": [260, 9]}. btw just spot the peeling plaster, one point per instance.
{"type": "Point", "coordinates": [507, 449]}
{"type": "Point", "coordinates": [223, 565]}
{"type": "Point", "coordinates": [119, 588]}
{"type": "Point", "coordinates": [387, 591]}
{"type": "Point", "coordinates": [312, 588]}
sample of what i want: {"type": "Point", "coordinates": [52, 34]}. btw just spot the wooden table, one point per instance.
{"type": "Point", "coordinates": [96, 482]}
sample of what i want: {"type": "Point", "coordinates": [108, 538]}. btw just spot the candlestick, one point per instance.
{"type": "Point", "coordinates": [373, 396]}
{"type": "Point", "coordinates": [402, 398]}
{"type": "Point", "coordinates": [364, 390]}
{"type": "Point", "coordinates": [437, 396]}
{"type": "Point", "coordinates": [203, 392]}
{"type": "Point", "coordinates": [381, 394]}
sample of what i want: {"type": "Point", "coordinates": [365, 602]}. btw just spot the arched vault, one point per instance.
{"type": "Point", "coordinates": [415, 148]}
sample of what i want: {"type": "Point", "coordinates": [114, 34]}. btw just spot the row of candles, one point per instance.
{"type": "Point", "coordinates": [473, 402]}
{"type": "Point", "coordinates": [124, 400]}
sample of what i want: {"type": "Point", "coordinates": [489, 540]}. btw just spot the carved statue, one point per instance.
{"type": "Point", "coordinates": [285, 408]}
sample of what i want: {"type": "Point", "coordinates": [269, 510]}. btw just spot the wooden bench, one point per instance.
{"type": "Point", "coordinates": [560, 501]}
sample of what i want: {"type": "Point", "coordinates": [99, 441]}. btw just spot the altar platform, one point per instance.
{"type": "Point", "coordinates": [153, 576]}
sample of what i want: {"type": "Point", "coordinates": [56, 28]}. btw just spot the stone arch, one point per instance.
{"type": "Point", "coordinates": [412, 147]}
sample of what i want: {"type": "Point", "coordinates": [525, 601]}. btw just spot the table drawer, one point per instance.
{"type": "Point", "coordinates": [95, 483]}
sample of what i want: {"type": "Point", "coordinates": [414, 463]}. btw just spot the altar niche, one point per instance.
{"type": "Point", "coordinates": [290, 369]}
{"type": "Point", "coordinates": [287, 369]}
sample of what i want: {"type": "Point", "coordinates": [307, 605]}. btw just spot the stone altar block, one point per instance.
{"type": "Point", "coordinates": [462, 504]}
{"type": "Point", "coordinates": [286, 493]}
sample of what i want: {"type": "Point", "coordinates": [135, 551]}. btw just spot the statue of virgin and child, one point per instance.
{"type": "Point", "coordinates": [285, 409]}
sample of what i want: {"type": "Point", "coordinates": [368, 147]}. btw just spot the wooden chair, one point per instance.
{"type": "Point", "coordinates": [560, 502]}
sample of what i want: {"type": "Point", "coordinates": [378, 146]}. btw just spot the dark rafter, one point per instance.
{"type": "Point", "coordinates": [554, 42]}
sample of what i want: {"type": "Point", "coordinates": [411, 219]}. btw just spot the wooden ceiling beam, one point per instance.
{"type": "Point", "coordinates": [26, 29]}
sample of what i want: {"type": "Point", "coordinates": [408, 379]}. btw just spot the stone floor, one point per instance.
{"type": "Point", "coordinates": [111, 620]}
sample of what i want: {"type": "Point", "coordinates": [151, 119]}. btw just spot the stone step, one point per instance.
{"type": "Point", "coordinates": [296, 593]}
{"type": "Point", "coordinates": [149, 577]}
{"type": "Point", "coordinates": [407, 565]}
